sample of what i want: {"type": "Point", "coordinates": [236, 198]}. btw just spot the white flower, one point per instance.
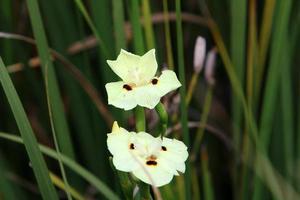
{"type": "Point", "coordinates": [153, 160]}
{"type": "Point", "coordinates": [139, 85]}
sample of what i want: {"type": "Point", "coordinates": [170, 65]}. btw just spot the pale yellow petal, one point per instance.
{"type": "Point", "coordinates": [120, 97]}
{"type": "Point", "coordinates": [125, 164]}
{"type": "Point", "coordinates": [175, 153]}
{"type": "Point", "coordinates": [167, 82]}
{"type": "Point", "coordinates": [124, 65]}
{"type": "Point", "coordinates": [148, 96]}
{"type": "Point", "coordinates": [148, 65]}
{"type": "Point", "coordinates": [118, 143]}
{"type": "Point", "coordinates": [155, 176]}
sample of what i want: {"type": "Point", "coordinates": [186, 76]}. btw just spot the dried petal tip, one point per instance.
{"type": "Point", "coordinates": [210, 66]}
{"type": "Point", "coordinates": [199, 54]}
{"type": "Point", "coordinates": [115, 127]}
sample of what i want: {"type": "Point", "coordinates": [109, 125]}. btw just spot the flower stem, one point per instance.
{"type": "Point", "coordinates": [124, 180]}
{"type": "Point", "coordinates": [140, 119]}
{"type": "Point", "coordinates": [203, 120]}
{"type": "Point", "coordinates": [144, 191]}
{"type": "Point", "coordinates": [163, 115]}
{"type": "Point", "coordinates": [182, 90]}
{"type": "Point", "coordinates": [141, 126]}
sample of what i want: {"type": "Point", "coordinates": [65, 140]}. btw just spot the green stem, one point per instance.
{"type": "Point", "coordinates": [163, 115]}
{"type": "Point", "coordinates": [170, 59]}
{"type": "Point", "coordinates": [183, 107]}
{"type": "Point", "coordinates": [144, 191]}
{"type": "Point", "coordinates": [141, 126]}
{"type": "Point", "coordinates": [138, 39]}
{"type": "Point", "coordinates": [61, 166]}
{"type": "Point", "coordinates": [203, 120]}
{"type": "Point", "coordinates": [124, 181]}
{"type": "Point", "coordinates": [140, 119]}
{"type": "Point", "coordinates": [148, 25]}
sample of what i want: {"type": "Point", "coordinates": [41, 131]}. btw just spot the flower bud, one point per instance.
{"type": "Point", "coordinates": [210, 66]}
{"type": "Point", "coordinates": [199, 54]}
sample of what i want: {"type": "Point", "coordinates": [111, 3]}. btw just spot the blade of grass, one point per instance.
{"type": "Point", "coordinates": [207, 182]}
{"type": "Point", "coordinates": [272, 82]}
{"type": "Point", "coordinates": [73, 70]}
{"type": "Point", "coordinates": [6, 23]}
{"type": "Point", "coordinates": [118, 17]}
{"type": "Point", "coordinates": [89, 177]}
{"type": "Point", "coordinates": [170, 59]}
{"type": "Point", "coordinates": [61, 126]}
{"type": "Point", "coordinates": [203, 121]}
{"type": "Point", "coordinates": [138, 40]}
{"type": "Point", "coordinates": [251, 64]}
{"type": "Point", "coordinates": [182, 90]}
{"type": "Point", "coordinates": [61, 166]}
{"type": "Point", "coordinates": [57, 19]}
{"type": "Point", "coordinates": [61, 184]}
{"type": "Point", "coordinates": [38, 164]}
{"type": "Point", "coordinates": [237, 38]}
{"type": "Point", "coordinates": [88, 19]}
{"type": "Point", "coordinates": [7, 190]}
{"type": "Point", "coordinates": [150, 41]}
{"type": "Point", "coordinates": [264, 39]}
{"type": "Point", "coordinates": [287, 97]}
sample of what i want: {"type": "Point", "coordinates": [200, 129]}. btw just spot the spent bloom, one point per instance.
{"type": "Point", "coordinates": [139, 85]}
{"type": "Point", "coordinates": [153, 160]}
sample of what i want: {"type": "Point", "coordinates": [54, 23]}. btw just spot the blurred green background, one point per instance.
{"type": "Point", "coordinates": [243, 128]}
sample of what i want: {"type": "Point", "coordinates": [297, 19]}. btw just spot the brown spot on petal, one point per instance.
{"type": "Point", "coordinates": [164, 148]}
{"type": "Point", "coordinates": [131, 146]}
{"type": "Point", "coordinates": [154, 81]}
{"type": "Point", "coordinates": [151, 163]}
{"type": "Point", "coordinates": [127, 87]}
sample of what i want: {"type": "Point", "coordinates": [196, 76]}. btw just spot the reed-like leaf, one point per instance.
{"type": "Point", "coordinates": [7, 190]}
{"type": "Point", "coordinates": [149, 34]}
{"type": "Point", "coordinates": [60, 121]}
{"type": "Point", "coordinates": [38, 163]}
{"type": "Point", "coordinates": [272, 81]}
{"type": "Point", "coordinates": [182, 90]}
{"type": "Point", "coordinates": [118, 17]}
{"type": "Point", "coordinates": [138, 39]}
{"type": "Point", "coordinates": [89, 177]}
{"type": "Point", "coordinates": [238, 13]}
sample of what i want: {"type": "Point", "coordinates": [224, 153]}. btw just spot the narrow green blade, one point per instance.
{"type": "Point", "coordinates": [60, 121]}
{"type": "Point", "coordinates": [38, 164]}
{"type": "Point", "coordinates": [93, 180]}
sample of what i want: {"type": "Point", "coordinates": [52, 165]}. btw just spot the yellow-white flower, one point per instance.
{"type": "Point", "coordinates": [139, 85]}
{"type": "Point", "coordinates": [153, 160]}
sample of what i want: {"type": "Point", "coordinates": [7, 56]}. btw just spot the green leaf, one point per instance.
{"type": "Point", "coordinates": [38, 164]}
{"type": "Point", "coordinates": [60, 121]}
{"type": "Point", "coordinates": [99, 185]}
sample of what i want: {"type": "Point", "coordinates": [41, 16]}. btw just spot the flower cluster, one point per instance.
{"type": "Point", "coordinates": [153, 160]}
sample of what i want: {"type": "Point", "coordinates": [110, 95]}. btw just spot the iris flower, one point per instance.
{"type": "Point", "coordinates": [139, 85]}
{"type": "Point", "coordinates": [153, 160]}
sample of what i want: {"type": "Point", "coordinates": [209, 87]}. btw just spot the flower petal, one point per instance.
{"type": "Point", "coordinates": [118, 143]}
{"type": "Point", "coordinates": [120, 97]}
{"type": "Point", "coordinates": [147, 96]}
{"type": "Point", "coordinates": [125, 164]}
{"type": "Point", "coordinates": [125, 63]}
{"type": "Point", "coordinates": [167, 82]}
{"type": "Point", "coordinates": [175, 153]}
{"type": "Point", "coordinates": [148, 65]}
{"type": "Point", "coordinates": [153, 175]}
{"type": "Point", "coordinates": [133, 68]}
